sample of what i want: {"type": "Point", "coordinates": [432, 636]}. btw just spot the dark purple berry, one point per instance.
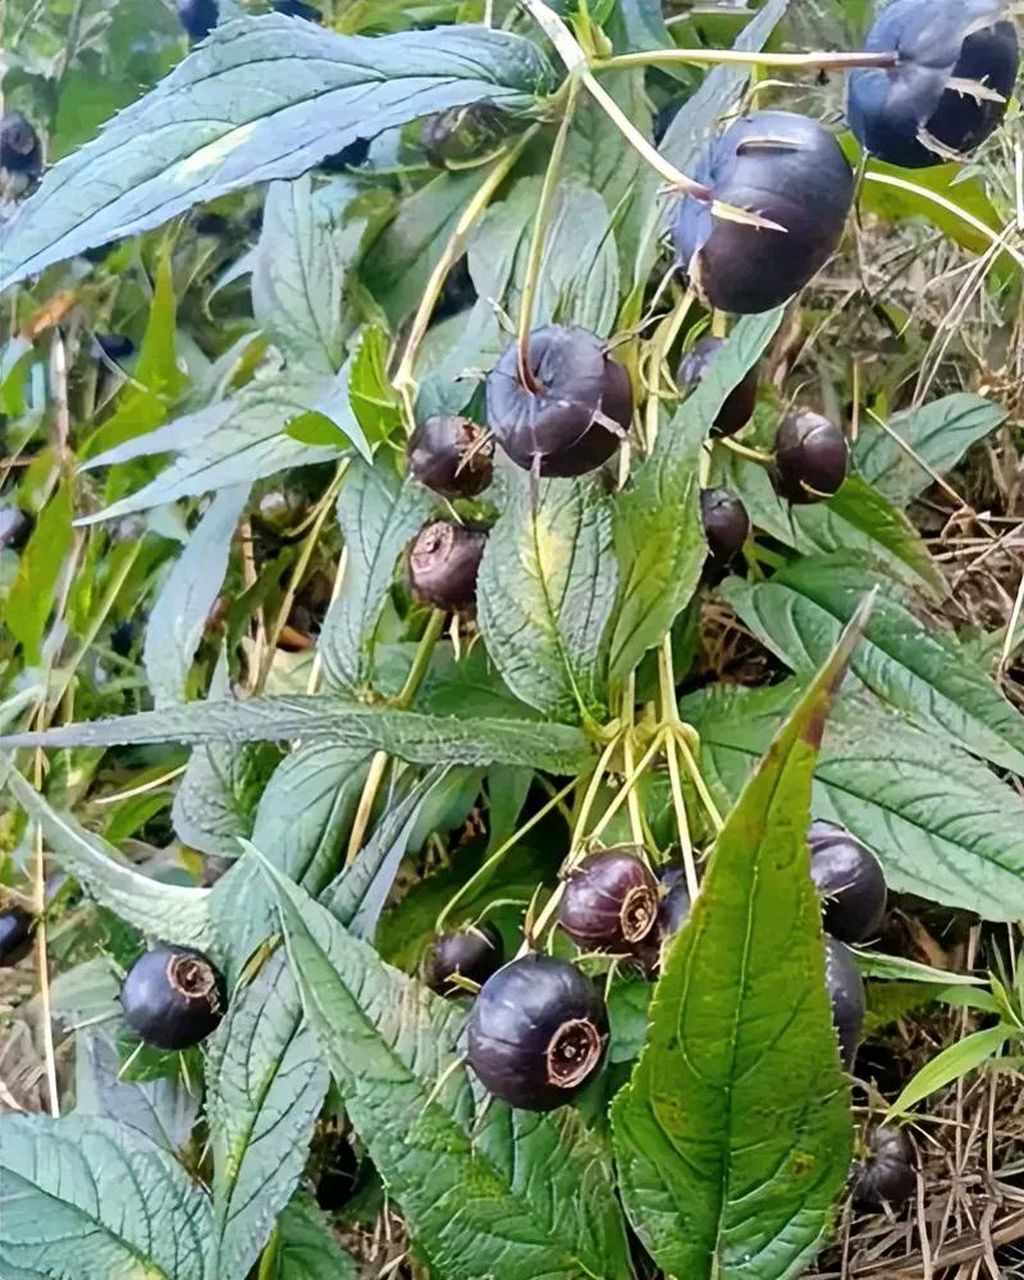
{"type": "Point", "coordinates": [113, 347]}
{"type": "Point", "coordinates": [610, 901]}
{"type": "Point", "coordinates": [443, 565]}
{"type": "Point", "coordinates": [850, 880]}
{"type": "Point", "coordinates": [738, 407]}
{"type": "Point", "coordinates": [448, 455]}
{"type": "Point", "coordinates": [351, 157]}
{"type": "Point", "coordinates": [726, 524]}
{"type": "Point", "coordinates": [573, 410]}
{"type": "Point", "coordinates": [20, 149]}
{"type": "Point", "coordinates": [673, 912]}
{"type": "Point", "coordinates": [473, 953]}
{"type": "Point", "coordinates": [537, 1032]}
{"type": "Point", "coordinates": [787, 168]}
{"type": "Point", "coordinates": [462, 134]}
{"type": "Point", "coordinates": [198, 17]}
{"type": "Point", "coordinates": [298, 9]}
{"type": "Point", "coordinates": [921, 112]}
{"type": "Point", "coordinates": [889, 1175]}
{"type": "Point", "coordinates": [811, 458]}
{"type": "Point", "coordinates": [15, 527]}
{"type": "Point", "coordinates": [15, 935]}
{"type": "Point", "coordinates": [173, 997]}
{"type": "Point", "coordinates": [846, 991]}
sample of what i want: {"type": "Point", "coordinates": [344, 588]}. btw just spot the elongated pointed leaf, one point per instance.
{"type": "Point", "coordinates": [262, 98]}
{"type": "Point", "coordinates": [953, 1063]}
{"type": "Point", "coordinates": [525, 1196]}
{"type": "Point", "coordinates": [733, 1136]}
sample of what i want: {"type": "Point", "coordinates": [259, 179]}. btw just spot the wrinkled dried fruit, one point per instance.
{"type": "Point", "coordinates": [610, 901]}
{"type": "Point", "coordinates": [443, 564]}
{"type": "Point", "coordinates": [15, 935]}
{"type": "Point", "coordinates": [448, 454]}
{"type": "Point", "coordinates": [957, 66]}
{"type": "Point", "coordinates": [790, 170]}
{"type": "Point", "coordinates": [850, 880]}
{"type": "Point", "coordinates": [173, 997]}
{"type": "Point", "coordinates": [20, 148]}
{"type": "Point", "coordinates": [575, 410]}
{"type": "Point", "coordinates": [811, 458]}
{"type": "Point", "coordinates": [846, 991]}
{"type": "Point", "coordinates": [198, 17]}
{"type": "Point", "coordinates": [889, 1175]}
{"type": "Point", "coordinates": [738, 407]}
{"type": "Point", "coordinates": [537, 1032]}
{"type": "Point", "coordinates": [726, 525]}
{"type": "Point", "coordinates": [473, 953]}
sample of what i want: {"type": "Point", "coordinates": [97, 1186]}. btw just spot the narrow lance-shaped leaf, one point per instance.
{"type": "Point", "coordinates": [733, 1136]}
{"type": "Point", "coordinates": [262, 98]}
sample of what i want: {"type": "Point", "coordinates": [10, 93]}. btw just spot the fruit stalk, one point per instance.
{"type": "Point", "coordinates": [741, 57]}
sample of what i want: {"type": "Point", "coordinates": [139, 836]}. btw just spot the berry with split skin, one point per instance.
{"type": "Point", "coordinates": [850, 880]}
{"type": "Point", "coordinates": [726, 525]}
{"type": "Point", "coordinates": [786, 168]}
{"type": "Point", "coordinates": [846, 992]}
{"type": "Point", "coordinates": [447, 454]}
{"type": "Point", "coordinates": [812, 458]}
{"type": "Point", "coordinates": [474, 953]}
{"type": "Point", "coordinates": [571, 412]}
{"type": "Point", "coordinates": [738, 406]}
{"type": "Point", "coordinates": [957, 67]}
{"type": "Point", "coordinates": [198, 17]}
{"type": "Point", "coordinates": [538, 1031]}
{"type": "Point", "coordinates": [15, 936]}
{"type": "Point", "coordinates": [444, 563]}
{"type": "Point", "coordinates": [173, 997]}
{"type": "Point", "coordinates": [888, 1177]}
{"type": "Point", "coordinates": [20, 149]}
{"type": "Point", "coordinates": [610, 901]}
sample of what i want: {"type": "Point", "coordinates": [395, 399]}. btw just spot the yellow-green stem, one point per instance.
{"type": "Point", "coordinates": [740, 57]}
{"type": "Point", "coordinates": [421, 660]}
{"type": "Point", "coordinates": [664, 337]}
{"type": "Point", "coordinates": [682, 820]}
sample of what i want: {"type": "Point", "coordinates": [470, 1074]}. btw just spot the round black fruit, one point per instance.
{"type": "Point", "coordinates": [738, 407]}
{"type": "Point", "coordinates": [473, 953]}
{"type": "Point", "coordinates": [571, 411]}
{"type": "Point", "coordinates": [449, 454]}
{"type": "Point", "coordinates": [726, 525]}
{"type": "Point", "coordinates": [351, 157]}
{"type": "Point", "coordinates": [811, 458]}
{"type": "Point", "coordinates": [537, 1033]}
{"type": "Point", "coordinates": [846, 991]}
{"type": "Point", "coordinates": [15, 935]}
{"type": "Point", "coordinates": [15, 527]}
{"type": "Point", "coordinates": [889, 1175]}
{"type": "Point", "coordinates": [791, 171]}
{"type": "Point", "coordinates": [198, 17]}
{"type": "Point", "coordinates": [20, 149]}
{"type": "Point", "coordinates": [173, 997]}
{"type": "Point", "coordinates": [610, 901]}
{"type": "Point", "coordinates": [463, 134]}
{"type": "Point", "coordinates": [673, 912]}
{"type": "Point", "coordinates": [957, 67]}
{"type": "Point", "coordinates": [850, 880]}
{"type": "Point", "coordinates": [443, 565]}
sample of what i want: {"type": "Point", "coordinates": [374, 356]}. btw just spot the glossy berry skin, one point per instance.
{"type": "Point", "coordinates": [846, 992]}
{"type": "Point", "coordinates": [446, 454]}
{"type": "Point", "coordinates": [444, 563]}
{"type": "Point", "coordinates": [812, 458]}
{"type": "Point", "coordinates": [15, 935]}
{"type": "Point", "coordinates": [889, 1175]}
{"type": "Point", "coordinates": [572, 417]}
{"type": "Point", "coordinates": [738, 408]}
{"type": "Point", "coordinates": [909, 115]}
{"type": "Point", "coordinates": [673, 912]}
{"type": "Point", "coordinates": [538, 1031]}
{"type": "Point", "coordinates": [15, 527]}
{"type": "Point", "coordinates": [173, 997]}
{"type": "Point", "coordinates": [198, 17]}
{"type": "Point", "coordinates": [20, 148]}
{"type": "Point", "coordinates": [473, 953]}
{"type": "Point", "coordinates": [726, 525]}
{"type": "Point", "coordinates": [851, 883]}
{"type": "Point", "coordinates": [787, 168]}
{"type": "Point", "coordinates": [610, 901]}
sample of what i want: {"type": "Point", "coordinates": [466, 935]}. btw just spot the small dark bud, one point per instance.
{"type": "Point", "coordinates": [811, 458]}
{"type": "Point", "coordinates": [473, 953]}
{"type": "Point", "coordinates": [726, 525]}
{"type": "Point", "coordinates": [739, 404]}
{"type": "Point", "coordinates": [448, 454]}
{"type": "Point", "coordinates": [20, 149]}
{"type": "Point", "coordinates": [15, 936]}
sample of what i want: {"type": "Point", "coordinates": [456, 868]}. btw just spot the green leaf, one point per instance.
{"type": "Point", "coordinates": [178, 618]}
{"type": "Point", "coordinates": [898, 969]}
{"type": "Point", "coordinates": [544, 595]}
{"type": "Point", "coordinates": [374, 402]}
{"type": "Point", "coordinates": [217, 798]}
{"type": "Point", "coordinates": [262, 98]}
{"type": "Point", "coordinates": [169, 911]}
{"type": "Point", "coordinates": [32, 595]}
{"type": "Point", "coordinates": [526, 1195]}
{"type": "Point", "coordinates": [944, 827]}
{"type": "Point", "coordinates": [89, 1198]}
{"type": "Point", "coordinates": [939, 433]}
{"type": "Point", "coordinates": [733, 1137]}
{"type": "Point", "coordinates": [378, 513]}
{"type": "Point", "coordinates": [417, 738]}
{"type": "Point", "coordinates": [911, 667]}
{"type": "Point", "coordinates": [306, 1248]}
{"type": "Point", "coordinates": [659, 538]}
{"type": "Point", "coordinates": [265, 1086]}
{"type": "Point", "coordinates": [953, 1063]}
